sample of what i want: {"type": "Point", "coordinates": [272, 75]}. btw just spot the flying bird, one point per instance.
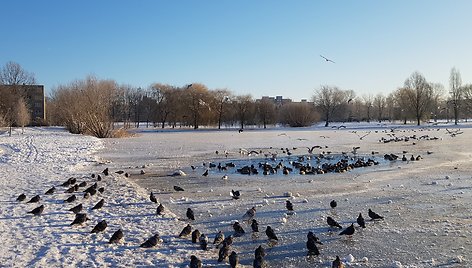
{"type": "Point", "coordinates": [99, 205]}
{"type": "Point", "coordinates": [333, 223]}
{"type": "Point", "coordinates": [116, 237]}
{"type": "Point", "coordinates": [205, 173]}
{"type": "Point", "coordinates": [374, 216]}
{"type": "Point", "coordinates": [151, 242]}
{"type": "Point", "coordinates": [348, 231]}
{"type": "Point", "coordinates": [326, 59]}
{"type": "Point", "coordinates": [360, 220]}
{"type": "Point", "coordinates": [37, 211]}
{"type": "Point", "coordinates": [100, 227]}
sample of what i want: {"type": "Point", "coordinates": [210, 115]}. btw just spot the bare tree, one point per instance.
{"type": "Point", "coordinates": [419, 94]}
{"type": "Point", "coordinates": [266, 111]}
{"type": "Point", "coordinates": [22, 114]}
{"type": "Point", "coordinates": [195, 98]}
{"type": "Point", "coordinates": [221, 98]}
{"type": "Point", "coordinates": [455, 92]}
{"type": "Point", "coordinates": [13, 74]}
{"type": "Point", "coordinates": [368, 102]}
{"type": "Point", "coordinates": [380, 104]}
{"type": "Point", "coordinates": [329, 99]}
{"type": "Point", "coordinates": [244, 108]}
{"type": "Point", "coordinates": [298, 114]}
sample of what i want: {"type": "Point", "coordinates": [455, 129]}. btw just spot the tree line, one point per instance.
{"type": "Point", "coordinates": [98, 107]}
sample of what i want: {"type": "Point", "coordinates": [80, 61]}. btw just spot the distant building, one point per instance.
{"type": "Point", "coordinates": [34, 96]}
{"type": "Point", "coordinates": [277, 100]}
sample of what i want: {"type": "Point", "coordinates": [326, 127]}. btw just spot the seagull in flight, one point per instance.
{"type": "Point", "coordinates": [326, 59]}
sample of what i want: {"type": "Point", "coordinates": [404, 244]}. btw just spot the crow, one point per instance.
{"type": "Point", "coordinates": [190, 214]}
{"type": "Point", "coordinates": [374, 216]}
{"type": "Point", "coordinates": [83, 184]}
{"type": "Point", "coordinates": [361, 221]}
{"type": "Point", "coordinates": [77, 208]}
{"type": "Point", "coordinates": [50, 191]}
{"type": "Point", "coordinates": [105, 172]}
{"type": "Point", "coordinates": [80, 218]}
{"type": "Point", "coordinates": [116, 237]}
{"type": "Point", "coordinates": [37, 211]}
{"type": "Point", "coordinates": [311, 246]}
{"type": "Point", "coordinates": [270, 233]}
{"type": "Point", "coordinates": [178, 188]}
{"type": "Point", "coordinates": [233, 259]}
{"type": "Point", "coordinates": [99, 205]}
{"type": "Point", "coordinates": [35, 199]}
{"type": "Point", "coordinates": [333, 204]}
{"type": "Point", "coordinates": [101, 190]}
{"type": "Point", "coordinates": [151, 242]}
{"type": "Point", "coordinates": [203, 242]}
{"type": "Point", "coordinates": [196, 235]}
{"type": "Point", "coordinates": [238, 229]}
{"type": "Point", "coordinates": [289, 205]}
{"type": "Point", "coordinates": [259, 252]}
{"type": "Point", "coordinates": [186, 231]}
{"type": "Point", "coordinates": [259, 263]}
{"type": "Point", "coordinates": [332, 223]}
{"type": "Point", "coordinates": [255, 226]}
{"type": "Point", "coordinates": [195, 262]}
{"type": "Point", "coordinates": [348, 231]}
{"type": "Point", "coordinates": [21, 197]}
{"type": "Point", "coordinates": [100, 227]}
{"type": "Point", "coordinates": [311, 235]}
{"type": "Point", "coordinates": [160, 209]}
{"type": "Point", "coordinates": [152, 198]}
{"type": "Point", "coordinates": [205, 173]}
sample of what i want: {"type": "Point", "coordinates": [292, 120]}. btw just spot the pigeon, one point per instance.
{"type": "Point", "coordinates": [50, 191]}
{"type": "Point", "coordinates": [77, 208]}
{"type": "Point", "coordinates": [348, 231]}
{"type": "Point", "coordinates": [233, 259]}
{"type": "Point", "coordinates": [72, 189]}
{"type": "Point", "coordinates": [311, 235]}
{"type": "Point", "coordinates": [100, 227]}
{"type": "Point", "coordinates": [86, 195]}
{"type": "Point", "coordinates": [311, 246]}
{"type": "Point", "coordinates": [105, 172]}
{"type": "Point", "coordinates": [203, 241]}
{"type": "Point", "coordinates": [223, 253]}
{"type": "Point", "coordinates": [270, 233]}
{"type": "Point", "coordinates": [238, 229]}
{"type": "Point", "coordinates": [21, 197]}
{"type": "Point", "coordinates": [361, 221]}
{"type": "Point", "coordinates": [235, 194]}
{"type": "Point", "coordinates": [289, 205]}
{"type": "Point", "coordinates": [99, 205]}
{"type": "Point", "coordinates": [332, 223]}
{"type": "Point", "coordinates": [259, 263]}
{"type": "Point", "coordinates": [116, 237]}
{"type": "Point", "coordinates": [91, 188]}
{"type": "Point", "coordinates": [92, 191]}
{"type": "Point", "coordinates": [119, 172]}
{"type": "Point", "coordinates": [79, 218]}
{"type": "Point", "coordinates": [178, 188]}
{"type": "Point", "coordinates": [228, 240]}
{"type": "Point", "coordinates": [337, 263]}
{"type": "Point", "coordinates": [205, 173]}
{"type": "Point", "coordinates": [160, 209]}
{"type": "Point", "coordinates": [193, 167]}
{"type": "Point", "coordinates": [151, 242]}
{"type": "Point", "coordinates": [255, 226]}
{"type": "Point", "coordinates": [37, 211]}
{"type": "Point", "coordinates": [333, 204]}
{"type": "Point", "coordinates": [374, 216]}
{"type": "Point", "coordinates": [219, 238]}
{"type": "Point", "coordinates": [195, 235]}
{"type": "Point", "coordinates": [195, 262]}
{"type": "Point", "coordinates": [71, 199]}
{"type": "Point", "coordinates": [35, 199]}
{"type": "Point", "coordinates": [259, 252]}
{"type": "Point", "coordinates": [83, 184]}
{"type": "Point", "coordinates": [153, 198]}
{"type": "Point", "coordinates": [186, 231]}
{"type": "Point", "coordinates": [190, 214]}
{"type": "Point", "coordinates": [101, 190]}
{"type": "Point", "coordinates": [249, 215]}
{"type": "Point", "coordinates": [99, 178]}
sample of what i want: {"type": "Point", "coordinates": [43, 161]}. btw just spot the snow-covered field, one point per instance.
{"type": "Point", "coordinates": [426, 203]}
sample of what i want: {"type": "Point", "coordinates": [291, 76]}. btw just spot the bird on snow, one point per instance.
{"type": "Point", "coordinates": [333, 204]}
{"type": "Point", "coordinates": [238, 229]}
{"type": "Point", "coordinates": [105, 172]}
{"type": "Point", "coordinates": [249, 215]}
{"type": "Point", "coordinates": [223, 253]}
{"type": "Point", "coordinates": [101, 190]}
{"type": "Point", "coordinates": [337, 263]}
{"type": "Point", "coordinates": [151, 242]}
{"type": "Point", "coordinates": [203, 241]}
{"type": "Point", "coordinates": [80, 218]}
{"type": "Point", "coordinates": [116, 237]}
{"type": "Point", "coordinates": [72, 189]}
{"type": "Point", "coordinates": [100, 227]}
{"type": "Point", "coordinates": [160, 209]}
{"type": "Point", "coordinates": [219, 238]}
{"type": "Point", "coordinates": [360, 220]}
{"type": "Point", "coordinates": [225, 177]}
{"type": "Point", "coordinates": [195, 262]}
{"type": "Point", "coordinates": [271, 234]}
{"type": "Point", "coordinates": [289, 205]}
{"type": "Point", "coordinates": [374, 216]}
{"type": "Point", "coordinates": [205, 173]}
{"type": "Point", "coordinates": [152, 198]}
{"type": "Point", "coordinates": [186, 231]}
{"type": "Point", "coordinates": [76, 209]}
{"type": "Point", "coordinates": [259, 262]}
{"type": "Point", "coordinates": [83, 184]}
{"type": "Point", "coordinates": [21, 197]}
{"type": "Point", "coordinates": [235, 194]}
{"type": "Point", "coordinates": [178, 188]}
{"type": "Point", "coordinates": [311, 246]}
{"type": "Point", "coordinates": [228, 240]}
{"type": "Point", "coordinates": [312, 236]}
{"type": "Point", "coordinates": [71, 199]}
{"type": "Point", "coordinates": [35, 199]}
{"type": "Point", "coordinates": [37, 211]}
{"type": "Point", "coordinates": [50, 191]}
{"type": "Point", "coordinates": [190, 214]}
{"type": "Point", "coordinates": [233, 259]}
{"type": "Point", "coordinates": [259, 252]}
{"type": "Point", "coordinates": [333, 223]}
{"type": "Point", "coordinates": [255, 226]}
{"type": "Point", "coordinates": [348, 231]}
{"type": "Point", "coordinates": [99, 205]}
{"type": "Point", "coordinates": [195, 235]}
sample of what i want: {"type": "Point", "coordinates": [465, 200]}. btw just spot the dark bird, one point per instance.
{"type": "Point", "coordinates": [223, 253]}
{"type": "Point", "coordinates": [100, 227]}
{"type": "Point", "coordinates": [21, 197]}
{"type": "Point", "coordinates": [186, 231]}
{"type": "Point", "coordinates": [348, 231]}
{"type": "Point", "coordinates": [255, 226]}
{"type": "Point", "coordinates": [80, 218]}
{"type": "Point", "coordinates": [374, 216]}
{"type": "Point", "coordinates": [235, 194]}
{"type": "Point", "coordinates": [50, 191]}
{"type": "Point", "coordinates": [160, 209]}
{"type": "Point", "coordinates": [99, 178]}
{"type": "Point", "coordinates": [196, 235]}
{"type": "Point", "coordinates": [37, 211]}
{"type": "Point", "coordinates": [326, 59]}
{"type": "Point", "coordinates": [99, 205]}
{"type": "Point", "coordinates": [86, 195]}
{"type": "Point", "coordinates": [101, 190]}
{"type": "Point", "coordinates": [332, 223]}
{"type": "Point", "coordinates": [119, 172]}
{"type": "Point", "coordinates": [71, 199]}
{"type": "Point", "coordinates": [178, 188]}
{"type": "Point", "coordinates": [91, 188]}
{"type": "Point", "coordinates": [259, 263]}
{"type": "Point", "coordinates": [193, 167]}
{"type": "Point", "coordinates": [190, 214]}
{"type": "Point", "coordinates": [333, 204]}
{"type": "Point", "coordinates": [205, 173]}
{"type": "Point", "coordinates": [360, 220]}
{"type": "Point", "coordinates": [195, 262]}
{"type": "Point", "coordinates": [203, 241]}
{"type": "Point", "coordinates": [249, 215]}
{"type": "Point", "coordinates": [35, 199]}
{"type": "Point", "coordinates": [153, 198]}
{"type": "Point", "coordinates": [219, 238]}
{"type": "Point", "coordinates": [105, 172]}
{"type": "Point", "coordinates": [77, 208]}
{"type": "Point", "coordinates": [233, 259]}
{"type": "Point", "coordinates": [311, 246]}
{"type": "Point", "coordinates": [151, 242]}
{"type": "Point", "coordinates": [238, 229]}
{"type": "Point", "coordinates": [92, 191]}
{"type": "Point", "coordinates": [259, 252]}
{"type": "Point", "coordinates": [289, 205]}
{"type": "Point", "coordinates": [312, 236]}
{"type": "Point", "coordinates": [116, 237]}
{"type": "Point", "coordinates": [270, 233]}
{"type": "Point", "coordinates": [72, 189]}
{"type": "Point", "coordinates": [83, 184]}
{"type": "Point", "coordinates": [337, 263]}
{"type": "Point", "coordinates": [228, 240]}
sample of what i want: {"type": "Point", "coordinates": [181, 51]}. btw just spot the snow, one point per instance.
{"type": "Point", "coordinates": [425, 203]}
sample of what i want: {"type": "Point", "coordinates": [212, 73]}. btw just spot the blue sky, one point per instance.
{"type": "Point", "coordinates": [249, 47]}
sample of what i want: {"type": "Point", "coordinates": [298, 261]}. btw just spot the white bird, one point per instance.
{"type": "Point", "coordinates": [225, 177]}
